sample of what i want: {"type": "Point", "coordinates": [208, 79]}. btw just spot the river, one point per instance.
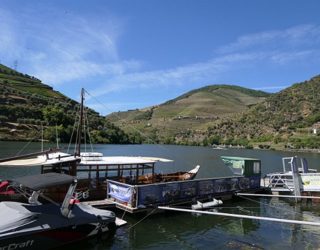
{"type": "Point", "coordinates": [192, 231]}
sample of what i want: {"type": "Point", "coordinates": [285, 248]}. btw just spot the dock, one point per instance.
{"type": "Point", "coordinates": [295, 178]}
{"type": "Point", "coordinates": [105, 203]}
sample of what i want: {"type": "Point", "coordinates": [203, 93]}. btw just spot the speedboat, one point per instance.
{"type": "Point", "coordinates": [34, 225]}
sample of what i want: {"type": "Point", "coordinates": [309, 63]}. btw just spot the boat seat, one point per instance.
{"type": "Point", "coordinates": [4, 184]}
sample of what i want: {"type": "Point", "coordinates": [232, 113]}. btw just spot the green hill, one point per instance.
{"type": "Point", "coordinates": [190, 114]}
{"type": "Point", "coordinates": [26, 104]}
{"type": "Point", "coordinates": [231, 115]}
{"type": "Point", "coordinates": [284, 120]}
{"type": "Point", "coordinates": [216, 114]}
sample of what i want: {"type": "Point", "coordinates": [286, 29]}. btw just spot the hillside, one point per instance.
{"type": "Point", "coordinates": [190, 114]}
{"type": "Point", "coordinates": [216, 114]}
{"type": "Point", "coordinates": [26, 104]}
{"type": "Point", "coordinates": [284, 120]}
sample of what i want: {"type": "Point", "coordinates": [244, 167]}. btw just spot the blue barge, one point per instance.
{"type": "Point", "coordinates": [137, 198]}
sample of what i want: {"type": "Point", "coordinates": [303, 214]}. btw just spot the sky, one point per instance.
{"type": "Point", "coordinates": [131, 54]}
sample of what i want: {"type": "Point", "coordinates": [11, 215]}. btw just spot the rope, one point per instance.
{"type": "Point", "coordinates": [86, 122]}
{"type": "Point", "coordinates": [142, 219]}
{"type": "Point", "coordinates": [266, 204]}
{"type": "Point", "coordinates": [27, 144]}
{"type": "Point", "coordinates": [124, 212]}
{"type": "Point", "coordinates": [75, 124]}
{"type": "Point", "coordinates": [133, 128]}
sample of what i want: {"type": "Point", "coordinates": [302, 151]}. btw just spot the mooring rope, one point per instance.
{"type": "Point", "coordinates": [124, 212]}
{"type": "Point", "coordinates": [273, 206]}
{"type": "Point", "coordinates": [142, 219]}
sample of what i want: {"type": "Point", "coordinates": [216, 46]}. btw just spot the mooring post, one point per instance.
{"type": "Point", "coordinates": [296, 178]}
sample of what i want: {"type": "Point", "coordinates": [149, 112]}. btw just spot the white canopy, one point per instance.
{"type": "Point", "coordinates": [41, 160]}
{"type": "Point", "coordinates": [121, 160]}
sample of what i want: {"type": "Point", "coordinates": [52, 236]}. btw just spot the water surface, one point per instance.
{"type": "Point", "coordinates": [191, 231]}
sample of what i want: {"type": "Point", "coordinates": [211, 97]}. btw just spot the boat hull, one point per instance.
{"type": "Point", "coordinates": [57, 237]}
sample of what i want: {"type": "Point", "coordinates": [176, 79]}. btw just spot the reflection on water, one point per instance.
{"type": "Point", "coordinates": [174, 230]}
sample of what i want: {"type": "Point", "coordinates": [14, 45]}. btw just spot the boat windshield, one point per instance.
{"type": "Point", "coordinates": [236, 165]}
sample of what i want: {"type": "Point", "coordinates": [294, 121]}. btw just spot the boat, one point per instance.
{"type": "Point", "coordinates": [35, 225]}
{"type": "Point", "coordinates": [296, 178]}
{"type": "Point", "coordinates": [92, 168]}
{"type": "Point", "coordinates": [51, 158]}
{"type": "Point", "coordinates": [177, 176]}
{"type": "Point", "coordinates": [133, 195]}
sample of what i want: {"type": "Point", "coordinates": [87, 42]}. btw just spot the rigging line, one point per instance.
{"type": "Point", "coordinates": [84, 132]}
{"type": "Point", "coordinates": [76, 143]}
{"type": "Point", "coordinates": [73, 130]}
{"type": "Point", "coordinates": [133, 128]}
{"type": "Point", "coordinates": [41, 136]}
{"type": "Point", "coordinates": [86, 120]}
{"type": "Point", "coordinates": [142, 219]}
{"type": "Point", "coordinates": [27, 144]}
{"type": "Point", "coordinates": [87, 130]}
{"type": "Point", "coordinates": [273, 206]}
{"type": "Point", "coordinates": [137, 130]}
{"type": "Point", "coordinates": [57, 138]}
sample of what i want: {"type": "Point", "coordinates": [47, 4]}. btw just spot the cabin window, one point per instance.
{"type": "Point", "coordinates": [256, 167]}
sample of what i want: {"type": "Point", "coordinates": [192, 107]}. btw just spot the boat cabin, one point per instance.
{"type": "Point", "coordinates": [242, 165]}
{"type": "Point", "coordinates": [95, 166]}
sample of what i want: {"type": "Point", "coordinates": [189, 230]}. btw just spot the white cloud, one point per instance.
{"type": "Point", "coordinates": [66, 48]}
{"type": "Point", "coordinates": [178, 76]}
{"type": "Point", "coordinates": [58, 48]}
{"type": "Point", "coordinates": [284, 39]}
{"type": "Point", "coordinates": [285, 57]}
{"type": "Point", "coordinates": [278, 48]}
{"type": "Point", "coordinates": [272, 87]}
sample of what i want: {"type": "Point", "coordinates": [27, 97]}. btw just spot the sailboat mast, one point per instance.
{"type": "Point", "coordinates": [80, 124]}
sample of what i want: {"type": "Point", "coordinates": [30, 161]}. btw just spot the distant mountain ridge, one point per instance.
{"type": "Point", "coordinates": [213, 88]}
{"type": "Point", "coordinates": [193, 111]}
{"type": "Point", "coordinates": [289, 118]}
{"type": "Point", "coordinates": [232, 115]}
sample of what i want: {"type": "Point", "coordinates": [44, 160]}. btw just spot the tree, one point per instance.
{"type": "Point", "coordinates": [55, 116]}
